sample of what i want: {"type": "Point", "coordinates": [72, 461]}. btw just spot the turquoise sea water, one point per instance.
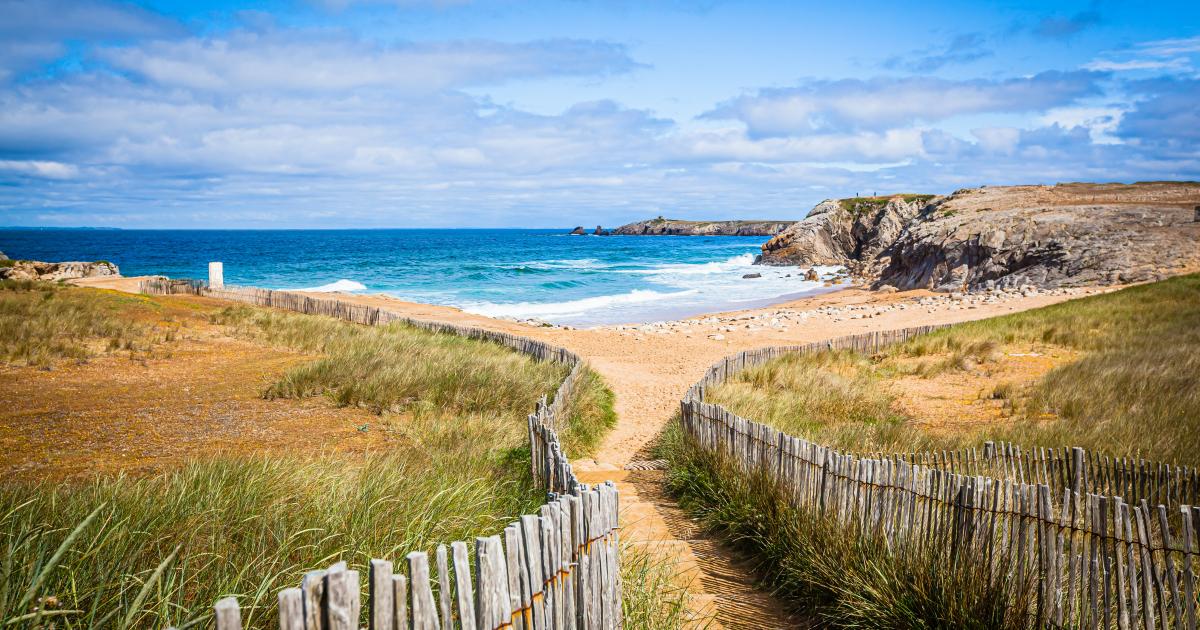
{"type": "Point", "coordinates": [544, 274]}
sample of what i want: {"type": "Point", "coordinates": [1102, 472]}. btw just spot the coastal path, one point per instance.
{"type": "Point", "coordinates": [649, 373]}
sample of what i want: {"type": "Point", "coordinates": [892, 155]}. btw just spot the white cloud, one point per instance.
{"type": "Point", "coordinates": [1101, 122]}
{"type": "Point", "coordinates": [998, 139]}
{"type": "Point", "coordinates": [823, 106]}
{"type": "Point", "coordinates": [1174, 55]}
{"type": "Point", "coordinates": [316, 61]}
{"type": "Point", "coordinates": [33, 33]}
{"type": "Point", "coordinates": [868, 146]}
{"type": "Point", "coordinates": [40, 168]}
{"type": "Point", "coordinates": [1178, 63]}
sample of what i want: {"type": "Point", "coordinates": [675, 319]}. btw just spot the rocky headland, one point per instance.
{"type": "Point", "coordinates": [678, 227]}
{"type": "Point", "coordinates": [1068, 235]}
{"type": "Point", "coordinates": [53, 271]}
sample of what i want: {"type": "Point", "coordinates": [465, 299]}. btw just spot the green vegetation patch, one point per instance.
{"type": "Point", "coordinates": [839, 578]}
{"type": "Point", "coordinates": [43, 322]}
{"type": "Point", "coordinates": [248, 527]}
{"type": "Point", "coordinates": [859, 206]}
{"type": "Point", "coordinates": [1131, 393]}
{"type": "Point", "coordinates": [159, 550]}
{"type": "Point", "coordinates": [401, 369]}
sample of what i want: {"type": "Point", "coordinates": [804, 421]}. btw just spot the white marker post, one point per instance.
{"type": "Point", "coordinates": [216, 275]}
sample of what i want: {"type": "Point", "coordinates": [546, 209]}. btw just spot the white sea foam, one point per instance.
{"type": "Point", "coordinates": [572, 309]}
{"type": "Point", "coordinates": [687, 289]}
{"type": "Point", "coordinates": [340, 285]}
{"type": "Point", "coordinates": [698, 269]}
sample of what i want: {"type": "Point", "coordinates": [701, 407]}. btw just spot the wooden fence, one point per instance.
{"type": "Point", "coordinates": [556, 569]}
{"type": "Point", "coordinates": [1050, 523]}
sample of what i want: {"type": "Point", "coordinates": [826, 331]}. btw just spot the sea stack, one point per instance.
{"type": "Point", "coordinates": [578, 231]}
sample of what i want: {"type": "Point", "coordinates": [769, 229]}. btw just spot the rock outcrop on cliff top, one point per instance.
{"type": "Point", "coordinates": [52, 271]}
{"type": "Point", "coordinates": [677, 227]}
{"type": "Point", "coordinates": [1046, 236]}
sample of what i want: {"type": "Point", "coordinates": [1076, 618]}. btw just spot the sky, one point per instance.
{"type": "Point", "coordinates": [497, 113]}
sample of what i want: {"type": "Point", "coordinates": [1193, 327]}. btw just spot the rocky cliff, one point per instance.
{"type": "Point", "coordinates": [1046, 236]}
{"type": "Point", "coordinates": [50, 271]}
{"type": "Point", "coordinates": [676, 227]}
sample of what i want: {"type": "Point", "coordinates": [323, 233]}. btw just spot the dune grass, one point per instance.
{"type": "Point", "coordinates": [839, 580]}
{"type": "Point", "coordinates": [1131, 392]}
{"type": "Point", "coordinates": [401, 369]}
{"type": "Point", "coordinates": [1131, 389]}
{"type": "Point", "coordinates": [651, 598]}
{"type": "Point", "coordinates": [248, 527]}
{"type": "Point", "coordinates": [158, 550]}
{"type": "Point", "coordinates": [43, 322]}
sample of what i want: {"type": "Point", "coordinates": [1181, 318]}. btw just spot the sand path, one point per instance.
{"type": "Point", "coordinates": [649, 373]}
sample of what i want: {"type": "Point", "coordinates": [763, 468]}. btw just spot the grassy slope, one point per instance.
{"type": "Point", "coordinates": [41, 323]}
{"type": "Point", "coordinates": [1132, 391]}
{"type": "Point", "coordinates": [250, 526]}
{"type": "Point", "coordinates": [399, 369]}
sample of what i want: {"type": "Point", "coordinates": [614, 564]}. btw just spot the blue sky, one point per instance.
{"type": "Point", "coordinates": [411, 113]}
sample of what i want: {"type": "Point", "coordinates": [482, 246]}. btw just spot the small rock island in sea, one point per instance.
{"type": "Point", "coordinates": [678, 227]}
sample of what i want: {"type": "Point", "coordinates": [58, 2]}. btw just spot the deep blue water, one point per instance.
{"type": "Point", "coordinates": [581, 280]}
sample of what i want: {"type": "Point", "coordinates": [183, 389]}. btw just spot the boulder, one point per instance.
{"type": "Point", "coordinates": [811, 275]}
{"type": "Point", "coordinates": [751, 275]}
{"type": "Point", "coordinates": [51, 271]}
{"type": "Point", "coordinates": [600, 231]}
{"type": "Point", "coordinates": [578, 231]}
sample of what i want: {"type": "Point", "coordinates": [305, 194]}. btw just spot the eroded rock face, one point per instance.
{"type": "Point", "coordinates": [49, 271]}
{"type": "Point", "coordinates": [838, 232]}
{"type": "Point", "coordinates": [1064, 246]}
{"type": "Point", "coordinates": [1061, 236]}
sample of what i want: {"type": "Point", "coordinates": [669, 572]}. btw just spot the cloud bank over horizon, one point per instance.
{"type": "Point", "coordinates": [487, 114]}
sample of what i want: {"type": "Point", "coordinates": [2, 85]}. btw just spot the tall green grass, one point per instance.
{"type": "Point", "coordinates": [242, 526]}
{"type": "Point", "coordinates": [401, 369]}
{"type": "Point", "coordinates": [42, 322]}
{"type": "Point", "coordinates": [651, 598]}
{"type": "Point", "coordinates": [159, 550]}
{"type": "Point", "coordinates": [838, 578]}
{"type": "Point", "coordinates": [1131, 393]}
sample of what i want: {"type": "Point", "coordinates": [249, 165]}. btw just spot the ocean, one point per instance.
{"type": "Point", "coordinates": [540, 274]}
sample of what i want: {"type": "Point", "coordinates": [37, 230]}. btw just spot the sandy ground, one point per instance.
{"type": "Point", "coordinates": [196, 395]}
